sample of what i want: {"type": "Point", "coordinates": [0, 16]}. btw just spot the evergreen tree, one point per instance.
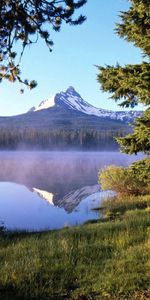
{"type": "Point", "coordinates": [139, 141]}
{"type": "Point", "coordinates": [130, 84]}
{"type": "Point", "coordinates": [23, 22]}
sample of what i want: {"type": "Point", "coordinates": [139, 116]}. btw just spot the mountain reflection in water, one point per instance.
{"type": "Point", "coordinates": [71, 200]}
{"type": "Point", "coordinates": [47, 190]}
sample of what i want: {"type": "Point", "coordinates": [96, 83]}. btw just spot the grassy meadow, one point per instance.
{"type": "Point", "coordinates": [108, 259]}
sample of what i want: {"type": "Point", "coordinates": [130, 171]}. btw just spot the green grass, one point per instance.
{"type": "Point", "coordinates": [107, 260]}
{"type": "Point", "coordinates": [116, 208]}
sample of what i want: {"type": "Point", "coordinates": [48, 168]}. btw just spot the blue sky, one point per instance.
{"type": "Point", "coordinates": [75, 53]}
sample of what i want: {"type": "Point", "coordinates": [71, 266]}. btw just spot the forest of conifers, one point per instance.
{"type": "Point", "coordinates": [59, 139]}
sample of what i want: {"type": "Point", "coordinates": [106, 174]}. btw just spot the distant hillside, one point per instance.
{"type": "Point", "coordinates": [56, 117]}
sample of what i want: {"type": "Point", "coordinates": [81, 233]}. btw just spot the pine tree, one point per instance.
{"type": "Point", "coordinates": [23, 22]}
{"type": "Point", "coordinates": [139, 140]}
{"type": "Point", "coordinates": [131, 83]}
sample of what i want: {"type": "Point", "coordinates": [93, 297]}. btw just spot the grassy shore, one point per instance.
{"type": "Point", "coordinates": [109, 259]}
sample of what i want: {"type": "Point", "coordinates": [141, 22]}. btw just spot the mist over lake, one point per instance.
{"type": "Point", "coordinates": [50, 190]}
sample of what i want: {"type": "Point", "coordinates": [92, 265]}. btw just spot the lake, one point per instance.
{"type": "Point", "coordinates": [51, 190]}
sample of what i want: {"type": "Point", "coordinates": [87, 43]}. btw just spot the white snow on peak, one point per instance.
{"type": "Point", "coordinates": [45, 195]}
{"type": "Point", "coordinates": [46, 104]}
{"type": "Point", "coordinates": [85, 107]}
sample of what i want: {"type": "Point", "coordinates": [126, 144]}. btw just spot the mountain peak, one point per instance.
{"type": "Point", "coordinates": [71, 100]}
{"type": "Point", "coordinates": [70, 89]}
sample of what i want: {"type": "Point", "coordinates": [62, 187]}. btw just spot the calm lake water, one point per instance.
{"type": "Point", "coordinates": [50, 190]}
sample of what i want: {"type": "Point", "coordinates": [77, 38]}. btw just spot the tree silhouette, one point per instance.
{"type": "Point", "coordinates": [22, 22]}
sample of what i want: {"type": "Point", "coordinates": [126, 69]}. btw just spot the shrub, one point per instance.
{"type": "Point", "coordinates": [132, 180]}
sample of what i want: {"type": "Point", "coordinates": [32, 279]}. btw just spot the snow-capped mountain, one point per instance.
{"type": "Point", "coordinates": [71, 100]}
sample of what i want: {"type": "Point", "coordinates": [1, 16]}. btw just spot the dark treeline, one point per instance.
{"type": "Point", "coordinates": [59, 138]}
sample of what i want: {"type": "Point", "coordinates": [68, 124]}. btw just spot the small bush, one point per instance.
{"type": "Point", "coordinates": [133, 180]}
